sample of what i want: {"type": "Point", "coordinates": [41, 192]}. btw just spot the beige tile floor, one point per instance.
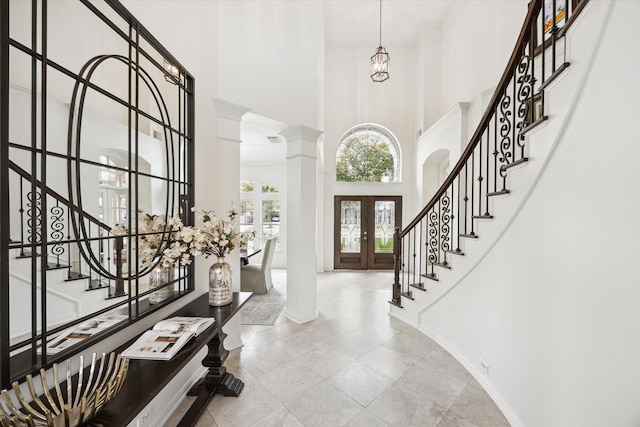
{"type": "Point", "coordinates": [353, 366]}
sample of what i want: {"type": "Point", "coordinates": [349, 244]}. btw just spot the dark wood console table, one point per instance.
{"type": "Point", "coordinates": [146, 378]}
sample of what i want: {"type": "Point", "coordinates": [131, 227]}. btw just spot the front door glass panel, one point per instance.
{"type": "Point", "coordinates": [350, 226]}
{"type": "Point", "coordinates": [384, 225]}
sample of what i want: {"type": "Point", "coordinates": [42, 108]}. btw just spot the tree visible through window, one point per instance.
{"type": "Point", "coordinates": [367, 153]}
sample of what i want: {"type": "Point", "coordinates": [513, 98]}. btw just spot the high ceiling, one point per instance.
{"type": "Point", "coordinates": [348, 23]}
{"type": "Point", "coordinates": [356, 23]}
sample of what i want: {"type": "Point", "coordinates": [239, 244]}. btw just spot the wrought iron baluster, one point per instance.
{"type": "Point", "coordinates": [473, 190]}
{"type": "Point", "coordinates": [69, 244]}
{"type": "Point", "coordinates": [525, 102]}
{"type": "Point", "coordinates": [543, 62]}
{"type": "Point", "coordinates": [488, 156]}
{"type": "Point", "coordinates": [554, 32]}
{"type": "Point", "coordinates": [505, 133]}
{"type": "Point", "coordinates": [21, 217]}
{"type": "Point", "coordinates": [514, 128]}
{"type": "Point", "coordinates": [495, 154]}
{"type": "Point", "coordinates": [445, 228]}
{"type": "Point", "coordinates": [34, 219]}
{"type": "Point", "coordinates": [413, 255]}
{"type": "Point", "coordinates": [458, 204]}
{"type": "Point", "coordinates": [57, 232]}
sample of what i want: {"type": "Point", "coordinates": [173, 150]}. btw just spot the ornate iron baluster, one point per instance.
{"type": "Point", "coordinates": [33, 224]}
{"type": "Point", "coordinates": [57, 232]}
{"type": "Point", "coordinates": [445, 227]}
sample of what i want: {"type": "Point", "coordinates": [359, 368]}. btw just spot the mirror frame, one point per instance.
{"type": "Point", "coordinates": [23, 357]}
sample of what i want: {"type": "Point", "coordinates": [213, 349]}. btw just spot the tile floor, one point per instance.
{"type": "Point", "coordinates": [353, 366]}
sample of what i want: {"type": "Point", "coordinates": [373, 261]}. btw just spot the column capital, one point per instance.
{"type": "Point", "coordinates": [228, 110]}
{"type": "Point", "coordinates": [301, 132]}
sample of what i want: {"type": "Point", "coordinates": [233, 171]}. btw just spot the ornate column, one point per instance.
{"type": "Point", "coordinates": [227, 188]}
{"type": "Point", "coordinates": [302, 149]}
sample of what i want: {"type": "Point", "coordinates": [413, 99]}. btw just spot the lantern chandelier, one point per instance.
{"type": "Point", "coordinates": [380, 59]}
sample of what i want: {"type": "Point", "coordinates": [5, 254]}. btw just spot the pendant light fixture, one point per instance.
{"type": "Point", "coordinates": [380, 59]}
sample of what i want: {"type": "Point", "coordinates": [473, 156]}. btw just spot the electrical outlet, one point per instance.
{"type": "Point", "coordinates": [485, 366]}
{"type": "Point", "coordinates": [143, 418]}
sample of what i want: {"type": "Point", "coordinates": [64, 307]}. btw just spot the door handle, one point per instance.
{"type": "Point", "coordinates": [364, 236]}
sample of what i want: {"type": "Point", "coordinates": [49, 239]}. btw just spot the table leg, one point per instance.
{"type": "Point", "coordinates": [216, 381]}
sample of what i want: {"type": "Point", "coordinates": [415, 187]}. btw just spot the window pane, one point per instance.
{"type": "Point", "coordinates": [246, 219]}
{"type": "Point", "coordinates": [350, 223]}
{"type": "Point", "coordinates": [246, 186]}
{"type": "Point", "coordinates": [268, 189]}
{"type": "Point", "coordinates": [271, 220]}
{"type": "Point", "coordinates": [384, 226]}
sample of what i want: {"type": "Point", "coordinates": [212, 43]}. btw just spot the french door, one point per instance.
{"type": "Point", "coordinates": [363, 231]}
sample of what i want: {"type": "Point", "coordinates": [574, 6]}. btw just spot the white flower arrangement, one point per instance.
{"type": "Point", "coordinates": [151, 230]}
{"type": "Point", "coordinates": [216, 236]}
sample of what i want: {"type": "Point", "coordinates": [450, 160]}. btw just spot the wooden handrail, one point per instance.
{"type": "Point", "coordinates": [507, 76]}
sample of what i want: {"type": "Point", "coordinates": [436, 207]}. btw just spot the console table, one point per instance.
{"type": "Point", "coordinates": [146, 378]}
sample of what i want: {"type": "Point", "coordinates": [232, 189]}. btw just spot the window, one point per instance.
{"type": "Point", "coordinates": [260, 212]}
{"type": "Point", "coordinates": [271, 220]}
{"type": "Point", "coordinates": [368, 153]}
{"type": "Point", "coordinates": [246, 219]}
{"type": "Point", "coordinates": [246, 186]}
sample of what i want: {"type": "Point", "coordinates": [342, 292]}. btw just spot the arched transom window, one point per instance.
{"type": "Point", "coordinates": [368, 153]}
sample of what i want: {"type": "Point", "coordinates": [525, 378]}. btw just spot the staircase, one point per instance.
{"type": "Point", "coordinates": [448, 227]}
{"type": "Point", "coordinates": [67, 274]}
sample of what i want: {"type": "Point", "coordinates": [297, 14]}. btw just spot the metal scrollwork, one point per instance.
{"type": "Point", "coordinates": [506, 126]}
{"type": "Point", "coordinates": [525, 100]}
{"type": "Point", "coordinates": [57, 230]}
{"type": "Point", "coordinates": [445, 227]}
{"type": "Point", "coordinates": [34, 224]}
{"type": "Point", "coordinates": [433, 237]}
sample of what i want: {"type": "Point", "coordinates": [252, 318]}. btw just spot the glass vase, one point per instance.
{"type": "Point", "coordinates": [158, 277]}
{"type": "Point", "coordinates": [220, 286]}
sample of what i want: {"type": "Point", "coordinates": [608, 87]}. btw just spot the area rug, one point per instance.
{"type": "Point", "coordinates": [264, 309]}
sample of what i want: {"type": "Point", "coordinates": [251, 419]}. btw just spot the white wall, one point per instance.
{"type": "Point", "coordinates": [558, 318]}
{"type": "Point", "coordinates": [477, 39]}
{"type": "Point", "coordinates": [271, 58]}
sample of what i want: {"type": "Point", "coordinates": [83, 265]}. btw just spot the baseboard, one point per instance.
{"type": "Point", "coordinates": [487, 386]}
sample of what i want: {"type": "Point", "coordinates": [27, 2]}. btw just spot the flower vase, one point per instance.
{"type": "Point", "coordinates": [158, 277]}
{"type": "Point", "coordinates": [220, 286]}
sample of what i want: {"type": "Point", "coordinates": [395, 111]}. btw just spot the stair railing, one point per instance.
{"type": "Point", "coordinates": [58, 241]}
{"type": "Point", "coordinates": [498, 144]}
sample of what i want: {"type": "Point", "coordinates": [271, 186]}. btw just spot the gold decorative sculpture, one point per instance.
{"type": "Point", "coordinates": [52, 409]}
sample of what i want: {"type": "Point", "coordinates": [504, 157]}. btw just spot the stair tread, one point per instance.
{"type": "Point", "coordinates": [54, 266]}
{"type": "Point", "coordinates": [430, 276]}
{"type": "Point", "coordinates": [498, 193]}
{"type": "Point", "coordinates": [470, 236]}
{"type": "Point", "coordinates": [397, 304]}
{"type": "Point", "coordinates": [418, 286]}
{"type": "Point", "coordinates": [484, 216]}
{"type": "Point", "coordinates": [455, 252]}
{"type": "Point", "coordinates": [407, 295]}
{"type": "Point", "coordinates": [74, 275]}
{"type": "Point", "coordinates": [443, 265]}
{"type": "Point", "coordinates": [97, 284]}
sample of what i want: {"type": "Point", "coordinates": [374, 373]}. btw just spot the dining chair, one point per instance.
{"type": "Point", "coordinates": [257, 278]}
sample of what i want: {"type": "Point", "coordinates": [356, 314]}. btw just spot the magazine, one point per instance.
{"type": "Point", "coordinates": [81, 332]}
{"type": "Point", "coordinates": [167, 338]}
